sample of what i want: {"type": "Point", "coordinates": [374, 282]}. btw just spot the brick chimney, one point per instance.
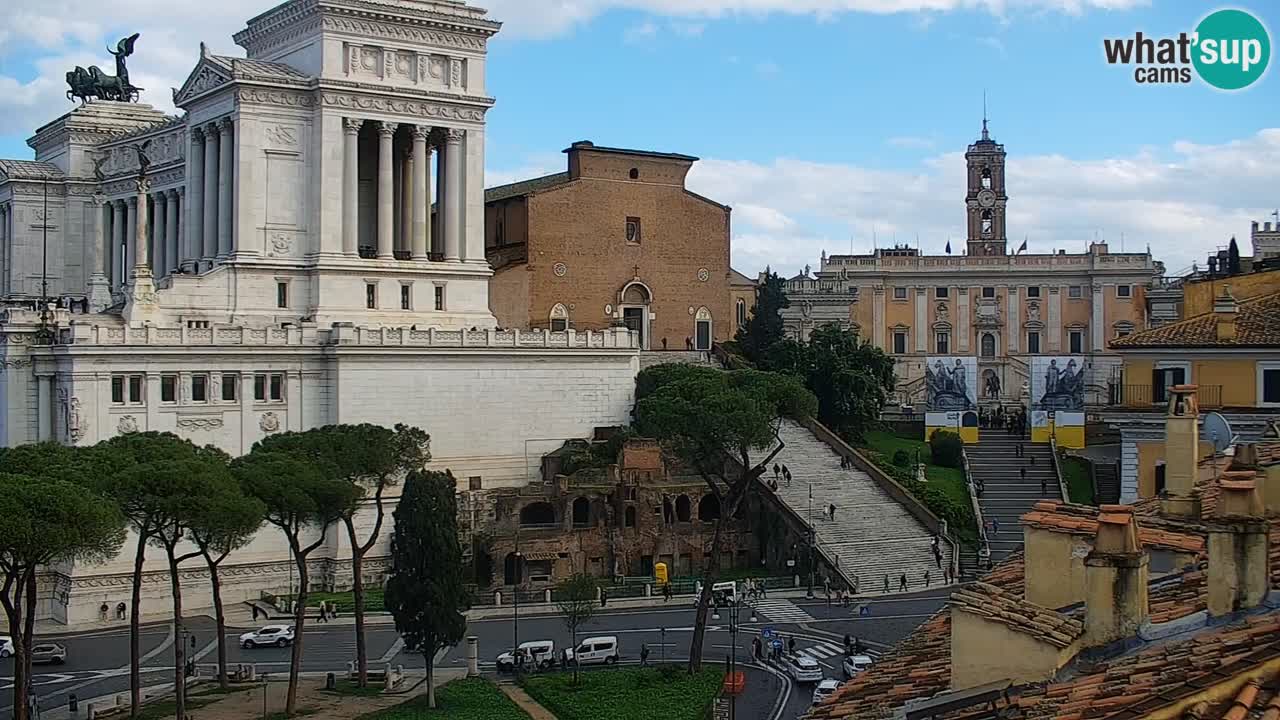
{"type": "Point", "coordinates": [1116, 576]}
{"type": "Point", "coordinates": [1225, 311]}
{"type": "Point", "coordinates": [1239, 576]}
{"type": "Point", "coordinates": [1181, 454]}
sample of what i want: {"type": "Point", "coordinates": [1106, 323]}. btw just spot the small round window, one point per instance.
{"type": "Point", "coordinates": [635, 174]}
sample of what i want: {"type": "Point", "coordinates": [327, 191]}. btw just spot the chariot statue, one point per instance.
{"type": "Point", "coordinates": [94, 83]}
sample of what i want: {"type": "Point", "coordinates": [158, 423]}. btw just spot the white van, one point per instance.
{"type": "Point", "coordinates": [537, 653]}
{"type": "Point", "coordinates": [595, 650]}
{"type": "Point", "coordinates": [722, 593]}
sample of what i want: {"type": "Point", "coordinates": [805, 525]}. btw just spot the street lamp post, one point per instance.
{"type": "Point", "coordinates": [735, 611]}
{"type": "Point", "coordinates": [813, 539]}
{"type": "Point", "coordinates": [515, 601]}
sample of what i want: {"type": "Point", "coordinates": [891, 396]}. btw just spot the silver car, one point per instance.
{"type": "Point", "coordinates": [48, 654]}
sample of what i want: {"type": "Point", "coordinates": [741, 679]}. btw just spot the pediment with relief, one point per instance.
{"type": "Point", "coordinates": [205, 77]}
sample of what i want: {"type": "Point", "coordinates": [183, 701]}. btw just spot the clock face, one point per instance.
{"type": "Point", "coordinates": [986, 198]}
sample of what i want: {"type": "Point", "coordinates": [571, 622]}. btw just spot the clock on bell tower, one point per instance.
{"type": "Point", "coordinates": [986, 198]}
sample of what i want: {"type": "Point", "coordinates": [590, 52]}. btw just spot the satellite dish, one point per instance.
{"type": "Point", "coordinates": [1219, 431]}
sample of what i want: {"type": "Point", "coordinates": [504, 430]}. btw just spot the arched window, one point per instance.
{"type": "Point", "coordinates": [581, 512]}
{"type": "Point", "coordinates": [709, 508]}
{"type": "Point", "coordinates": [986, 222]}
{"type": "Point", "coordinates": [668, 512]}
{"type": "Point", "coordinates": [634, 174]}
{"type": "Point", "coordinates": [988, 345]}
{"type": "Point", "coordinates": [559, 318]}
{"type": "Point", "coordinates": [684, 508]}
{"type": "Point", "coordinates": [702, 337]}
{"type": "Point", "coordinates": [512, 569]}
{"type": "Point", "coordinates": [742, 312]}
{"type": "Point", "coordinates": [538, 513]}
{"type": "Point", "coordinates": [986, 178]}
{"type": "Point", "coordinates": [629, 516]}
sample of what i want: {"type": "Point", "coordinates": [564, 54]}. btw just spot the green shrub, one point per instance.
{"type": "Point", "coordinates": [947, 448]}
{"type": "Point", "coordinates": [902, 459]}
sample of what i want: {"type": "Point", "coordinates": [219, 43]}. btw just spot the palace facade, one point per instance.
{"type": "Point", "coordinates": [1002, 307]}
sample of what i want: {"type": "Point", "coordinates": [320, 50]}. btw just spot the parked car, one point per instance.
{"type": "Point", "coordinates": [278, 635]}
{"type": "Point", "coordinates": [48, 653]}
{"type": "Point", "coordinates": [537, 653]}
{"type": "Point", "coordinates": [722, 593]}
{"type": "Point", "coordinates": [854, 664]}
{"type": "Point", "coordinates": [595, 650]}
{"type": "Point", "coordinates": [824, 690]}
{"type": "Point", "coordinates": [6, 646]}
{"type": "Point", "coordinates": [803, 669]}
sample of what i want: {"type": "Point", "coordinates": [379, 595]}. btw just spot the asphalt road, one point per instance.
{"type": "Point", "coordinates": [98, 662]}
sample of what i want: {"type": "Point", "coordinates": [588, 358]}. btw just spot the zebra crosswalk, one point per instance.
{"type": "Point", "coordinates": [822, 651]}
{"type": "Point", "coordinates": [779, 610]}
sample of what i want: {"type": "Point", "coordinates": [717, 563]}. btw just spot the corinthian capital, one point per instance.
{"type": "Point", "coordinates": [387, 129]}
{"type": "Point", "coordinates": [420, 132]}
{"type": "Point", "coordinates": [351, 126]}
{"type": "Point", "coordinates": [454, 136]}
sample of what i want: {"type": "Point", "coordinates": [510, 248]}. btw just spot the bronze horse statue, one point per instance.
{"type": "Point", "coordinates": [94, 83]}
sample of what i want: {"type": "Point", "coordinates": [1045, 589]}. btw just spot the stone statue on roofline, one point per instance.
{"type": "Point", "coordinates": [95, 84]}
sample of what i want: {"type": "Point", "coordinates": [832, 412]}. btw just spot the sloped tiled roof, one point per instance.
{"type": "Point", "coordinates": [737, 278]}
{"type": "Point", "coordinates": [245, 69]}
{"type": "Point", "coordinates": [525, 187]}
{"type": "Point", "coordinates": [29, 170]}
{"type": "Point", "coordinates": [1083, 520]}
{"type": "Point", "coordinates": [1257, 325]}
{"type": "Point", "coordinates": [1016, 613]}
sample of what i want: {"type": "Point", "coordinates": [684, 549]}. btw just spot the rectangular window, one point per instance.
{"type": "Point", "coordinates": [439, 297]}
{"type": "Point", "coordinates": [1269, 383]}
{"type": "Point", "coordinates": [559, 324]}
{"type": "Point", "coordinates": [900, 342]}
{"type": "Point", "coordinates": [899, 293]}
{"type": "Point", "coordinates": [988, 292]}
{"type": "Point", "coordinates": [229, 383]}
{"type": "Point", "coordinates": [168, 388]}
{"type": "Point", "coordinates": [1033, 343]}
{"type": "Point", "coordinates": [1075, 292]}
{"type": "Point", "coordinates": [1076, 341]}
{"type": "Point", "coordinates": [942, 293]}
{"type": "Point", "coordinates": [371, 296]}
{"type": "Point", "coordinates": [1164, 378]}
{"type": "Point", "coordinates": [277, 387]}
{"type": "Point", "coordinates": [260, 388]}
{"type": "Point", "coordinates": [1033, 291]}
{"type": "Point", "coordinates": [1124, 291]}
{"type": "Point", "coordinates": [282, 294]}
{"type": "Point", "coordinates": [135, 389]}
{"type": "Point", "coordinates": [942, 343]}
{"type": "Point", "coordinates": [475, 483]}
{"type": "Point", "coordinates": [405, 291]}
{"type": "Point", "coordinates": [117, 390]}
{"type": "Point", "coordinates": [633, 231]}
{"type": "Point", "coordinates": [200, 388]}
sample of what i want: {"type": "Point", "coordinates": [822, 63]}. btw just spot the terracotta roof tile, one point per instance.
{"type": "Point", "coordinates": [992, 603]}
{"type": "Point", "coordinates": [1083, 520]}
{"type": "Point", "coordinates": [1257, 325]}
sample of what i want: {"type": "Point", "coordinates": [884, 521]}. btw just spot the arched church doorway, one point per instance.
{"type": "Point", "coordinates": [635, 301]}
{"type": "Point", "coordinates": [702, 330]}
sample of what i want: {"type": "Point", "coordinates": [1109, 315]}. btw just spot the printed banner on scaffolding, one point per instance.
{"type": "Point", "coordinates": [1057, 400]}
{"type": "Point", "coordinates": [951, 396]}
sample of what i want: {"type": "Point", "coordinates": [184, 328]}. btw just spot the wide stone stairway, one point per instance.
{"type": "Point", "coordinates": [872, 535]}
{"type": "Point", "coordinates": [994, 463]}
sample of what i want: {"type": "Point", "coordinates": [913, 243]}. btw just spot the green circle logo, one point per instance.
{"type": "Point", "coordinates": [1232, 49]}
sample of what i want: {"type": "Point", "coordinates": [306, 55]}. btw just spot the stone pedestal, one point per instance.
{"type": "Point", "coordinates": [99, 293]}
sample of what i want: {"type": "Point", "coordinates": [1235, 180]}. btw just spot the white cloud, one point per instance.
{"type": "Point", "coordinates": [641, 33]}
{"type": "Point", "coordinates": [1183, 201]}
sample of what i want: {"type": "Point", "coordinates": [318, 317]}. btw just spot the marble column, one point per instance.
{"type": "Point", "coordinates": [1055, 319]}
{"type": "Point", "coordinates": [962, 319]}
{"type": "Point", "coordinates": [473, 198]}
{"type": "Point", "coordinates": [141, 254]}
{"type": "Point", "coordinates": [226, 153]}
{"type": "Point", "coordinates": [437, 199]}
{"type": "Point", "coordinates": [1014, 341]}
{"type": "Point", "coordinates": [386, 215]}
{"type": "Point", "coordinates": [877, 317]}
{"type": "Point", "coordinates": [421, 192]}
{"type": "Point", "coordinates": [193, 247]}
{"type": "Point", "coordinates": [4, 250]}
{"type": "Point", "coordinates": [171, 232]}
{"type": "Point", "coordinates": [44, 406]}
{"type": "Point", "coordinates": [130, 237]}
{"type": "Point", "coordinates": [405, 241]}
{"type": "Point", "coordinates": [107, 241]}
{"type": "Point", "coordinates": [209, 233]}
{"type": "Point", "coordinates": [453, 195]}
{"type": "Point", "coordinates": [922, 330]}
{"type": "Point", "coordinates": [119, 258]}
{"type": "Point", "coordinates": [351, 186]}
{"type": "Point", "coordinates": [1099, 320]}
{"type": "Point", "coordinates": [160, 228]}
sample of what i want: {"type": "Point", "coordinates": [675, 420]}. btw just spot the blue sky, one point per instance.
{"type": "Point", "coordinates": [820, 122]}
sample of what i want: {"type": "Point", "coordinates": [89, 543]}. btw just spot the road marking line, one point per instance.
{"type": "Point", "coordinates": [395, 649]}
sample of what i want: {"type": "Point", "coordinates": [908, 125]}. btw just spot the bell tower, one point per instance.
{"type": "Point", "coordinates": [986, 198]}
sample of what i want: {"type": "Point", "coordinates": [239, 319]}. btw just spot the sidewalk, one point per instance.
{"type": "Point", "coordinates": [526, 703]}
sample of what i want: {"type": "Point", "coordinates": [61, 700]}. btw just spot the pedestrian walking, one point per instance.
{"type": "Point", "coordinates": [902, 583]}
{"type": "Point", "coordinates": [926, 578]}
{"type": "Point", "coordinates": [854, 589]}
{"type": "Point", "coordinates": [777, 471]}
{"type": "Point", "coordinates": [666, 591]}
{"type": "Point", "coordinates": [644, 655]}
{"type": "Point", "coordinates": [1023, 473]}
{"type": "Point", "coordinates": [791, 645]}
{"type": "Point", "coordinates": [324, 617]}
{"type": "Point", "coordinates": [251, 606]}
{"type": "Point", "coordinates": [1044, 485]}
{"type": "Point", "coordinates": [1018, 452]}
{"type": "Point", "coordinates": [604, 597]}
{"type": "Point", "coordinates": [848, 644]}
{"type": "Point", "coordinates": [828, 593]}
{"type": "Point", "coordinates": [995, 525]}
{"type": "Point", "coordinates": [1033, 459]}
{"type": "Point", "coordinates": [886, 583]}
{"type": "Point", "coordinates": [937, 555]}
{"type": "Point", "coordinates": [832, 510]}
{"type": "Point", "coordinates": [786, 475]}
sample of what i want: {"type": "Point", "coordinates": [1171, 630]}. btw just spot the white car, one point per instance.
{"type": "Point", "coordinates": [537, 653]}
{"type": "Point", "coordinates": [595, 650]}
{"type": "Point", "coordinates": [722, 593]}
{"type": "Point", "coordinates": [803, 669]}
{"type": "Point", "coordinates": [278, 635]}
{"type": "Point", "coordinates": [824, 690]}
{"type": "Point", "coordinates": [6, 646]}
{"type": "Point", "coordinates": [854, 664]}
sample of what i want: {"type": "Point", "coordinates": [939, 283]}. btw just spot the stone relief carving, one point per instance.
{"type": "Point", "coordinates": [204, 81]}
{"type": "Point", "coordinates": [416, 108]}
{"type": "Point", "coordinates": [455, 73]}
{"type": "Point", "coordinates": [18, 364]}
{"type": "Point", "coordinates": [215, 387]}
{"type": "Point", "coordinates": [942, 313]}
{"type": "Point", "coordinates": [184, 388]}
{"type": "Point", "coordinates": [397, 32]}
{"type": "Point", "coordinates": [128, 424]}
{"type": "Point", "coordinates": [276, 97]}
{"type": "Point", "coordinates": [281, 244]}
{"type": "Point", "coordinates": [437, 67]}
{"type": "Point", "coordinates": [282, 135]}
{"type": "Point", "coordinates": [199, 422]}
{"type": "Point", "coordinates": [560, 269]}
{"type": "Point", "coordinates": [269, 423]}
{"type": "Point", "coordinates": [1033, 312]}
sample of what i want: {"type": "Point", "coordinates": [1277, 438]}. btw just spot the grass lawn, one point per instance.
{"type": "Point", "coordinates": [1079, 485]}
{"type": "Point", "coordinates": [949, 480]}
{"type": "Point", "coordinates": [350, 688]}
{"type": "Point", "coordinates": [345, 600]}
{"type": "Point", "coordinates": [469, 699]}
{"type": "Point", "coordinates": [628, 694]}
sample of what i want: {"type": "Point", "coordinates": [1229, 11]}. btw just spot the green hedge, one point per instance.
{"type": "Point", "coordinates": [469, 699]}
{"type": "Point", "coordinates": [628, 694]}
{"type": "Point", "coordinates": [946, 493]}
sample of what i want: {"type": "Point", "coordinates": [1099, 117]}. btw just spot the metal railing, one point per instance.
{"type": "Point", "coordinates": [1149, 396]}
{"type": "Point", "coordinates": [984, 544]}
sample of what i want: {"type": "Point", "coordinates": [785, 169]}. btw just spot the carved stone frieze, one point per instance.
{"type": "Point", "coordinates": [389, 31]}
{"type": "Point", "coordinates": [199, 422]}
{"type": "Point", "coordinates": [282, 135]}
{"type": "Point", "coordinates": [400, 106]}
{"type": "Point", "coordinates": [128, 424]}
{"type": "Point", "coordinates": [264, 96]}
{"type": "Point", "coordinates": [269, 423]}
{"type": "Point", "coordinates": [205, 80]}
